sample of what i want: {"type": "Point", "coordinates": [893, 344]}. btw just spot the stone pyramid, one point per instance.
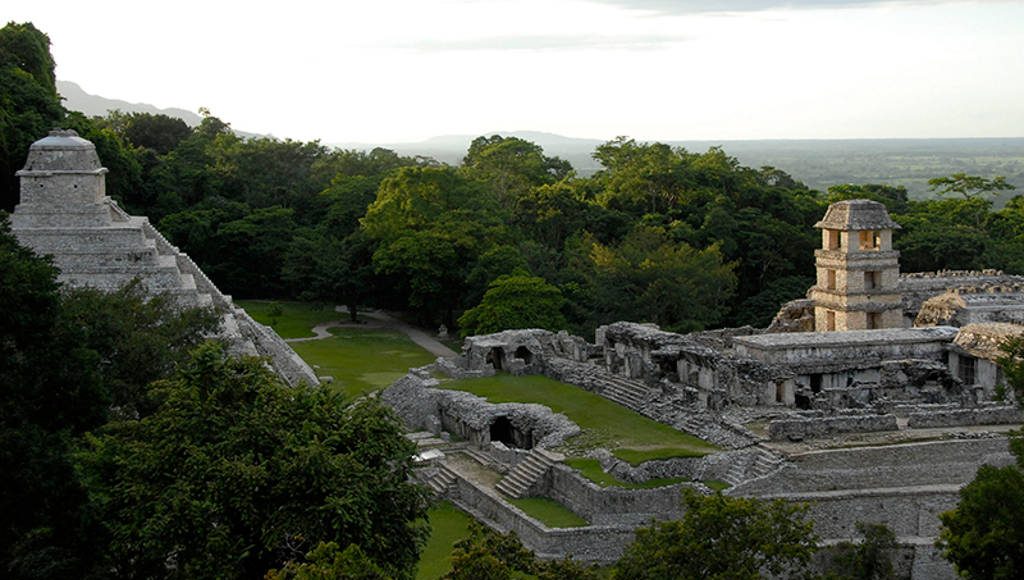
{"type": "Point", "coordinates": [65, 212]}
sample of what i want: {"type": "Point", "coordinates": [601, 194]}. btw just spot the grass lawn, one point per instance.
{"type": "Point", "coordinates": [591, 469]}
{"type": "Point", "coordinates": [549, 511]}
{"type": "Point", "coordinates": [296, 319]}
{"type": "Point", "coordinates": [448, 525]}
{"type": "Point", "coordinates": [604, 423]}
{"type": "Point", "coordinates": [363, 360]}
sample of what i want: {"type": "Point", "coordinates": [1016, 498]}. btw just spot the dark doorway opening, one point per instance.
{"type": "Point", "coordinates": [502, 430]}
{"type": "Point", "coordinates": [494, 357]}
{"type": "Point", "coordinates": [815, 383]}
{"type": "Point", "coordinates": [525, 354]}
{"type": "Point", "coordinates": [803, 402]}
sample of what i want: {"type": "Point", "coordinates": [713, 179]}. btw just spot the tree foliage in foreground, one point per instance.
{"type": "Point", "coordinates": [870, 559]}
{"type": "Point", "coordinates": [235, 473]}
{"type": "Point", "coordinates": [486, 554]}
{"type": "Point", "coordinates": [722, 537]}
{"type": "Point", "coordinates": [984, 536]}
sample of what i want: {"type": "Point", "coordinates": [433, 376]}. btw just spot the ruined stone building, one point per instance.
{"type": "Point", "coordinates": [65, 212]}
{"type": "Point", "coordinates": [873, 399]}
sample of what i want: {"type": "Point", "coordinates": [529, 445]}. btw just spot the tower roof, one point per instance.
{"type": "Point", "coordinates": [857, 214]}
{"type": "Point", "coordinates": [62, 151]}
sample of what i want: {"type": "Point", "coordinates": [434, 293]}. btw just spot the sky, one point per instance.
{"type": "Point", "coordinates": [389, 71]}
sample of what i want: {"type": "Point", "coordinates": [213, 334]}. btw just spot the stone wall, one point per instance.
{"type": "Point", "coordinates": [1001, 415]}
{"type": "Point", "coordinates": [951, 462]}
{"type": "Point", "coordinates": [422, 406]}
{"type": "Point", "coordinates": [612, 505]}
{"type": "Point", "coordinates": [811, 428]}
{"type": "Point", "coordinates": [594, 543]}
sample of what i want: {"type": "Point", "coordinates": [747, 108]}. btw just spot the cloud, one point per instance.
{"type": "Point", "coordinates": [699, 6]}
{"type": "Point", "coordinates": [548, 42]}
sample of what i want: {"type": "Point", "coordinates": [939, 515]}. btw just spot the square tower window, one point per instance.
{"type": "Point", "coordinates": [874, 320]}
{"type": "Point", "coordinates": [830, 320]}
{"type": "Point", "coordinates": [834, 240]}
{"type": "Point", "coordinates": [830, 279]}
{"type": "Point", "coordinates": [872, 280]}
{"type": "Point", "coordinates": [870, 240]}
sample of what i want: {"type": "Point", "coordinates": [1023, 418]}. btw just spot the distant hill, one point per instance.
{"type": "Point", "coordinates": [76, 99]}
{"type": "Point", "coordinates": [819, 163]}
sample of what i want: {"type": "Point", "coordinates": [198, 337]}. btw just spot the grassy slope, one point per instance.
{"type": "Point", "coordinates": [360, 360]}
{"type": "Point", "coordinates": [448, 524]}
{"type": "Point", "coordinates": [605, 424]}
{"type": "Point", "coordinates": [363, 360]}
{"type": "Point", "coordinates": [296, 319]}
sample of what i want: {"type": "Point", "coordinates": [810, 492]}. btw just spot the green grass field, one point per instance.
{"type": "Point", "coordinates": [549, 511]}
{"type": "Point", "coordinates": [296, 320]}
{"type": "Point", "coordinates": [363, 360]}
{"type": "Point", "coordinates": [604, 423]}
{"type": "Point", "coordinates": [360, 360]}
{"type": "Point", "coordinates": [448, 525]}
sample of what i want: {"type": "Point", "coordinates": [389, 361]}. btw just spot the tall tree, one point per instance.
{"type": "Point", "coordinates": [219, 483]}
{"type": "Point", "coordinates": [515, 301]}
{"type": "Point", "coordinates": [29, 103]}
{"type": "Point", "coordinates": [984, 536]}
{"type": "Point", "coordinates": [722, 538]}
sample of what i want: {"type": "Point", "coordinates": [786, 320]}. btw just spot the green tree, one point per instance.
{"type": "Point", "coordinates": [511, 166]}
{"type": "Point", "coordinates": [649, 277]}
{"type": "Point", "coordinates": [721, 537]}
{"type": "Point", "coordinates": [870, 559]}
{"type": "Point", "coordinates": [984, 536]}
{"type": "Point", "coordinates": [29, 103]}
{"type": "Point", "coordinates": [969, 186]}
{"type": "Point", "coordinates": [236, 473]}
{"type": "Point", "coordinates": [328, 562]}
{"type": "Point", "coordinates": [515, 301]}
{"type": "Point", "coordinates": [69, 359]}
{"type": "Point", "coordinates": [486, 554]}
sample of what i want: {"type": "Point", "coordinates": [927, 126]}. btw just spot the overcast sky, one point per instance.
{"type": "Point", "coordinates": [403, 70]}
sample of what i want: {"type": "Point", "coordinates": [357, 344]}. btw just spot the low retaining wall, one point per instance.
{"type": "Point", "coordinates": [595, 543]}
{"type": "Point", "coordinates": [1004, 415]}
{"type": "Point", "coordinates": [612, 505]}
{"type": "Point", "coordinates": [908, 511]}
{"type": "Point", "coordinates": [890, 466]}
{"type": "Point", "coordinates": [827, 426]}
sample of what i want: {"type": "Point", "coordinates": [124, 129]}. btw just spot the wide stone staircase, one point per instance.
{"type": "Point", "coordinates": [527, 472]}
{"type": "Point", "coordinates": [626, 392]}
{"type": "Point", "coordinates": [752, 463]}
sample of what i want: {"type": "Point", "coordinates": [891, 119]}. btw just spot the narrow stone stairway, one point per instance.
{"type": "Point", "coordinates": [527, 472]}
{"type": "Point", "coordinates": [441, 481]}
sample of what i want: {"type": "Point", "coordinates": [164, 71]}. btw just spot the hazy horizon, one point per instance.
{"type": "Point", "coordinates": [401, 71]}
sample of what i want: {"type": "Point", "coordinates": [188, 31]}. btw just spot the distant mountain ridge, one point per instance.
{"type": "Point", "coordinates": [819, 163]}
{"type": "Point", "coordinates": [76, 99]}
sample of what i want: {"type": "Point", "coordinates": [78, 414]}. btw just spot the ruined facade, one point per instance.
{"type": "Point", "coordinates": [65, 212]}
{"type": "Point", "coordinates": [875, 399]}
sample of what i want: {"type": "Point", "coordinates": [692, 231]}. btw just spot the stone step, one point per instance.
{"type": "Point", "coordinates": [441, 481]}
{"type": "Point", "coordinates": [526, 473]}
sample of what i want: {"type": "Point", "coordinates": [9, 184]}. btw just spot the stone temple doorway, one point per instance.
{"type": "Point", "coordinates": [494, 357]}
{"type": "Point", "coordinates": [525, 354]}
{"type": "Point", "coordinates": [503, 430]}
